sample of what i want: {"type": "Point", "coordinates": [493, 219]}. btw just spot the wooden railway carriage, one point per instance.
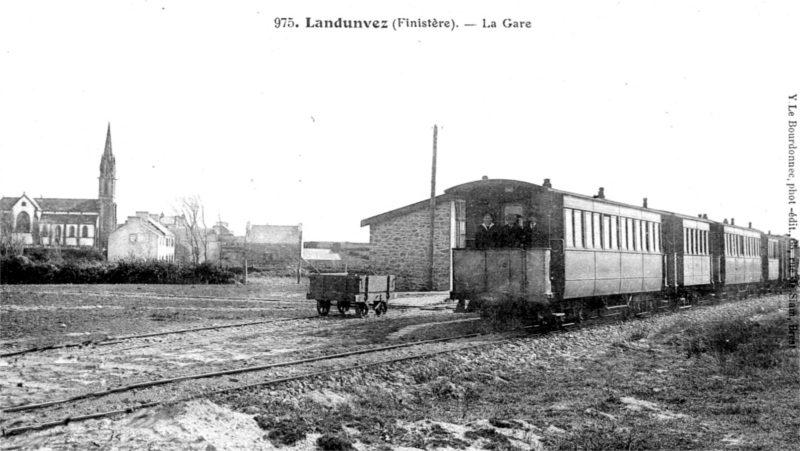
{"type": "Point", "coordinates": [600, 255]}
{"type": "Point", "coordinates": [688, 255]}
{"type": "Point", "coordinates": [775, 255]}
{"type": "Point", "coordinates": [737, 262]}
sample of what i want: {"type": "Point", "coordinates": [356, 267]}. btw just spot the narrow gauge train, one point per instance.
{"type": "Point", "coordinates": [606, 257]}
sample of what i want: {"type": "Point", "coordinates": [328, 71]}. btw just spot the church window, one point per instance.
{"type": "Point", "coordinates": [85, 232]}
{"type": "Point", "coordinates": [72, 231]}
{"type": "Point", "coordinates": [23, 223]}
{"type": "Point", "coordinates": [58, 234]}
{"type": "Point", "coordinates": [24, 204]}
{"type": "Point", "coordinates": [44, 231]}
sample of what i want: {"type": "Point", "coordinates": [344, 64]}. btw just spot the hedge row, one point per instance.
{"type": "Point", "coordinates": [22, 270]}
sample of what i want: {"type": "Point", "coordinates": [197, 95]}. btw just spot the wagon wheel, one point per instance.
{"type": "Point", "coordinates": [362, 310]}
{"type": "Point", "coordinates": [323, 307]}
{"type": "Point", "coordinates": [343, 307]}
{"type": "Point", "coordinates": [380, 308]}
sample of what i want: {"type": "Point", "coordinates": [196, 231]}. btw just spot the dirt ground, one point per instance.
{"type": "Point", "coordinates": [561, 385]}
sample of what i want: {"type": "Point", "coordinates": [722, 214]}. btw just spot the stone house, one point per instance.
{"type": "Point", "coordinates": [264, 245]}
{"type": "Point", "coordinates": [142, 237]}
{"type": "Point", "coordinates": [400, 241]}
{"type": "Point", "coordinates": [183, 246]}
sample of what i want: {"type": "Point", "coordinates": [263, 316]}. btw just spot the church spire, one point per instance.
{"type": "Point", "coordinates": [108, 167]}
{"type": "Point", "coordinates": [107, 221]}
{"type": "Point", "coordinates": [108, 141]}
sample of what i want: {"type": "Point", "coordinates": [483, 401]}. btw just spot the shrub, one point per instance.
{"type": "Point", "coordinates": [22, 270]}
{"type": "Point", "coordinates": [740, 341]}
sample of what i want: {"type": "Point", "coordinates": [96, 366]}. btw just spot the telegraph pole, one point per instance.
{"type": "Point", "coordinates": [433, 211]}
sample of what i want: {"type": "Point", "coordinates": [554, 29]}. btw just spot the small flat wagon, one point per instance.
{"type": "Point", "coordinates": [357, 291]}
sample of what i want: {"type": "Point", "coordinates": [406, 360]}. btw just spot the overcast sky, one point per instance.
{"type": "Point", "coordinates": [682, 102]}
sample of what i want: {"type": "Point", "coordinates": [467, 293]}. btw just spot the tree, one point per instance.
{"type": "Point", "coordinates": [190, 213]}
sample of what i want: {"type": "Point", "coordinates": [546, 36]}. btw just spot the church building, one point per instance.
{"type": "Point", "coordinates": [47, 221]}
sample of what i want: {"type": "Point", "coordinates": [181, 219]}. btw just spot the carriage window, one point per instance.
{"type": "Point", "coordinates": [596, 232]}
{"type": "Point", "coordinates": [606, 232]}
{"type": "Point", "coordinates": [623, 234]}
{"type": "Point", "coordinates": [579, 242]}
{"type": "Point", "coordinates": [629, 234]}
{"type": "Point", "coordinates": [637, 235]}
{"type": "Point", "coordinates": [656, 237]}
{"type": "Point", "coordinates": [568, 236]}
{"type": "Point", "coordinates": [687, 245]}
{"type": "Point", "coordinates": [703, 242]}
{"type": "Point", "coordinates": [612, 221]}
{"type": "Point", "coordinates": [588, 238]}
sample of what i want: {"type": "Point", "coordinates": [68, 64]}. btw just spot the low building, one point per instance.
{"type": "Point", "coordinates": [264, 245]}
{"type": "Point", "coordinates": [142, 237]}
{"type": "Point", "coordinates": [400, 243]}
{"type": "Point", "coordinates": [206, 240]}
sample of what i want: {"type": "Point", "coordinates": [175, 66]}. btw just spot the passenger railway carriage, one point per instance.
{"type": "Point", "coordinates": [605, 256]}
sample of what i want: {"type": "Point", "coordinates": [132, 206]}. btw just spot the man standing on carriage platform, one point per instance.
{"type": "Point", "coordinates": [511, 232]}
{"type": "Point", "coordinates": [486, 237]}
{"type": "Point", "coordinates": [533, 234]}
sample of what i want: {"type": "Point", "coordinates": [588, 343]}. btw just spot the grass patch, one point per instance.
{"type": "Point", "coordinates": [284, 431]}
{"type": "Point", "coordinates": [736, 390]}
{"type": "Point", "coordinates": [739, 344]}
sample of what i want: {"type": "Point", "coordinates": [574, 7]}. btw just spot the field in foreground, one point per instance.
{"type": "Point", "coordinates": [44, 315]}
{"type": "Point", "coordinates": [713, 378]}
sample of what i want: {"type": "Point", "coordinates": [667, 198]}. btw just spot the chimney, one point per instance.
{"type": "Point", "coordinates": [705, 216]}
{"type": "Point", "coordinates": [485, 177]}
{"type": "Point", "coordinates": [644, 203]}
{"type": "Point", "coordinates": [749, 225]}
{"type": "Point", "coordinates": [700, 216]}
{"type": "Point", "coordinates": [733, 221]}
{"type": "Point", "coordinates": [601, 194]}
{"type": "Point", "coordinates": [725, 221]}
{"type": "Point", "coordinates": [547, 184]}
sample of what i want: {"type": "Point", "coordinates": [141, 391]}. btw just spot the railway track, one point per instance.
{"type": "Point", "coordinates": [258, 375]}
{"type": "Point", "coordinates": [148, 294]}
{"type": "Point", "coordinates": [119, 339]}
{"type": "Point", "coordinates": [128, 398]}
{"type": "Point", "coordinates": [124, 338]}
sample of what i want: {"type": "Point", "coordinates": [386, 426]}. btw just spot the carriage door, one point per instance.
{"type": "Point", "coordinates": [511, 209]}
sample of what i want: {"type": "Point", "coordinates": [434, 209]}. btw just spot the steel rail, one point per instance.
{"type": "Point", "coordinates": [14, 431]}
{"type": "Point", "coordinates": [120, 339]}
{"type": "Point", "coordinates": [146, 294]}
{"type": "Point", "coordinates": [229, 372]}
{"type": "Point", "coordinates": [67, 420]}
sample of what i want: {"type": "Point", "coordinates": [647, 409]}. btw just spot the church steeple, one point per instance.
{"type": "Point", "coordinates": [107, 221]}
{"type": "Point", "coordinates": [108, 169]}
